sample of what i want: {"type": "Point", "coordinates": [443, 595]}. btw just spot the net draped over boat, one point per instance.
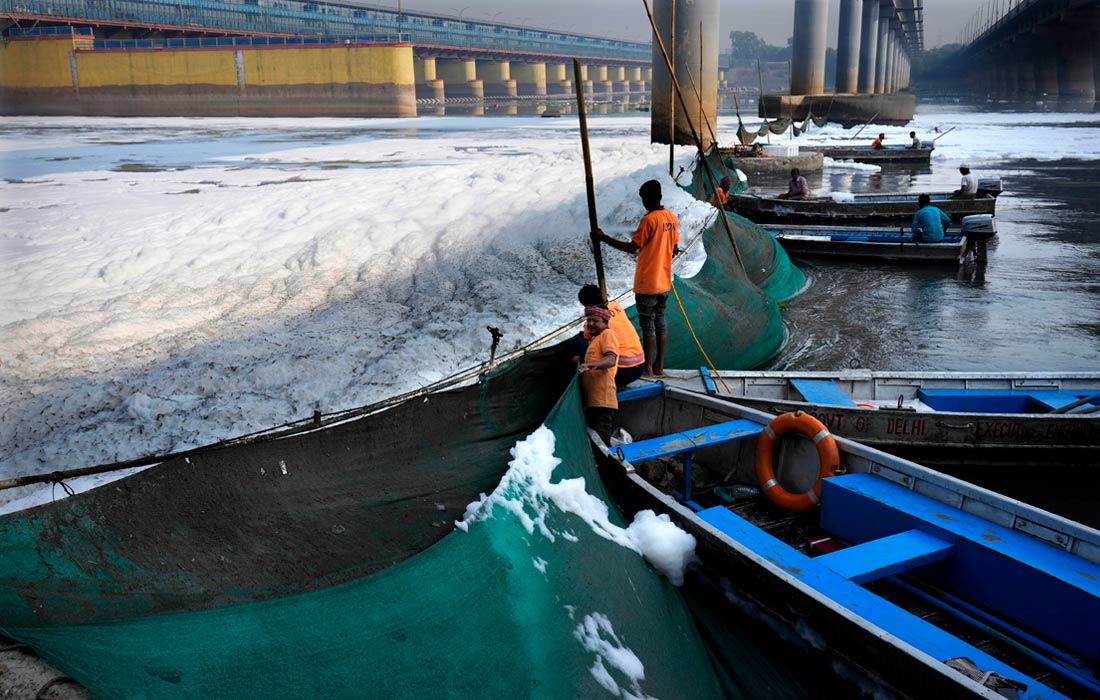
{"type": "Point", "coordinates": [326, 565]}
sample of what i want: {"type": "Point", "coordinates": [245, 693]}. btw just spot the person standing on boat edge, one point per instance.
{"type": "Point", "coordinates": [721, 193]}
{"type": "Point", "coordinates": [631, 362]}
{"type": "Point", "coordinates": [929, 223]}
{"type": "Point", "coordinates": [877, 143]}
{"type": "Point", "coordinates": [797, 188]}
{"type": "Point", "coordinates": [968, 186]}
{"type": "Point", "coordinates": [598, 373]}
{"type": "Point", "coordinates": [655, 241]}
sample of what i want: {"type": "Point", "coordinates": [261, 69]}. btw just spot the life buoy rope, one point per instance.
{"type": "Point", "coordinates": [828, 457]}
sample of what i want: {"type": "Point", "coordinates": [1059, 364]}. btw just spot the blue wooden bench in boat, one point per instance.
{"type": "Point", "coordinates": [1005, 400]}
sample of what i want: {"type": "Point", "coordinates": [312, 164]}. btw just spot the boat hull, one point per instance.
{"type": "Point", "coordinates": [891, 155]}
{"type": "Point", "coordinates": [862, 243]}
{"type": "Point", "coordinates": [861, 210]}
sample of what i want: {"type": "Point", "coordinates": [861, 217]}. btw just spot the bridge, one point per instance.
{"type": "Point", "coordinates": [453, 56]}
{"type": "Point", "coordinates": [1029, 49]}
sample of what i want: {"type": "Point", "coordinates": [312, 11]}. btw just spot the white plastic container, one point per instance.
{"type": "Point", "coordinates": [780, 151]}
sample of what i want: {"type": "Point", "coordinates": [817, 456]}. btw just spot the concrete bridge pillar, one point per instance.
{"type": "Point", "coordinates": [635, 80]}
{"type": "Point", "coordinates": [428, 86]}
{"type": "Point", "coordinates": [460, 77]}
{"type": "Point", "coordinates": [1045, 62]}
{"type": "Point", "coordinates": [811, 21]}
{"type": "Point", "coordinates": [617, 75]}
{"type": "Point", "coordinates": [601, 85]}
{"type": "Point", "coordinates": [848, 46]}
{"type": "Point", "coordinates": [530, 78]}
{"type": "Point", "coordinates": [1076, 81]}
{"type": "Point", "coordinates": [882, 49]}
{"type": "Point", "coordinates": [891, 57]}
{"type": "Point", "coordinates": [692, 54]}
{"type": "Point", "coordinates": [497, 78]}
{"type": "Point", "coordinates": [868, 46]}
{"type": "Point", "coordinates": [559, 79]}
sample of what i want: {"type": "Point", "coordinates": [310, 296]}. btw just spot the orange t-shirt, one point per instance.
{"type": "Point", "coordinates": [656, 238]}
{"type": "Point", "coordinates": [630, 346]}
{"type": "Point", "coordinates": [598, 385]}
{"type": "Point", "coordinates": [877, 143]}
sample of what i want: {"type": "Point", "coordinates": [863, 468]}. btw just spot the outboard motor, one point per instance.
{"type": "Point", "coordinates": [991, 186]}
{"type": "Point", "coordinates": [978, 229]}
{"type": "Point", "coordinates": [979, 226]}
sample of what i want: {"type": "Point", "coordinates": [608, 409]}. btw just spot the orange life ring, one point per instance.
{"type": "Point", "coordinates": [827, 454]}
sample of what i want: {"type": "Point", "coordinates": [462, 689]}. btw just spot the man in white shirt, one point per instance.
{"type": "Point", "coordinates": [968, 186]}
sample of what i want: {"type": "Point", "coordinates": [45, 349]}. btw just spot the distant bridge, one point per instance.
{"type": "Point", "coordinates": [475, 58]}
{"type": "Point", "coordinates": [1028, 49]}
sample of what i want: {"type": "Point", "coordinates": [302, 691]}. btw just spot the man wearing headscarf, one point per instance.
{"type": "Point", "coordinates": [598, 373]}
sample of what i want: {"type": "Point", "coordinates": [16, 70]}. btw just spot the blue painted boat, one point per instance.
{"type": "Point", "coordinates": [928, 586]}
{"type": "Point", "coordinates": [865, 243]}
{"type": "Point", "coordinates": [936, 418]}
{"type": "Point", "coordinates": [887, 155]}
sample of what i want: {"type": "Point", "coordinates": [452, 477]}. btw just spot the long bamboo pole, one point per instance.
{"type": "Point", "coordinates": [710, 181]}
{"type": "Point", "coordinates": [763, 110]}
{"type": "Point", "coordinates": [590, 189]}
{"type": "Point", "coordinates": [672, 97]}
{"type": "Point", "coordinates": [864, 126]}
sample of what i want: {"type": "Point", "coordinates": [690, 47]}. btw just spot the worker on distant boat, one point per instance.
{"type": "Point", "coordinates": [877, 143]}
{"type": "Point", "coordinates": [721, 193]}
{"type": "Point", "coordinates": [656, 241]}
{"type": "Point", "coordinates": [929, 223]}
{"type": "Point", "coordinates": [631, 357]}
{"type": "Point", "coordinates": [915, 143]}
{"type": "Point", "coordinates": [797, 188]}
{"type": "Point", "coordinates": [968, 186]}
{"type": "Point", "coordinates": [598, 373]}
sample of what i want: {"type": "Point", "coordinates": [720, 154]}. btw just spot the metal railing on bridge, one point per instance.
{"type": "Point", "coordinates": [317, 19]}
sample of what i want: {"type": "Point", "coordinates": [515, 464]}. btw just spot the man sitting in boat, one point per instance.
{"type": "Point", "coordinates": [598, 373]}
{"type": "Point", "coordinates": [797, 188]}
{"type": "Point", "coordinates": [877, 143]}
{"type": "Point", "coordinates": [929, 222]}
{"type": "Point", "coordinates": [968, 186]}
{"type": "Point", "coordinates": [631, 358]}
{"type": "Point", "coordinates": [721, 193]}
{"type": "Point", "coordinates": [915, 143]}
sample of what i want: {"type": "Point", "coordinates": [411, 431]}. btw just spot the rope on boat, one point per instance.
{"type": "Point", "coordinates": [320, 420]}
{"type": "Point", "coordinates": [696, 339]}
{"type": "Point", "coordinates": [41, 694]}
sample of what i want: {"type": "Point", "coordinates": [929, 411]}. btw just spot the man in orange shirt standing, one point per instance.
{"type": "Point", "coordinates": [598, 373]}
{"type": "Point", "coordinates": [655, 241]}
{"type": "Point", "coordinates": [631, 358]}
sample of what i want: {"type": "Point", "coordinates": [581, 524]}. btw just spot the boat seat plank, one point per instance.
{"type": "Point", "coordinates": [1000, 400]}
{"type": "Point", "coordinates": [823, 391]}
{"type": "Point", "coordinates": [689, 440]}
{"type": "Point", "coordinates": [640, 391]}
{"type": "Point", "coordinates": [1015, 575]}
{"type": "Point", "coordinates": [887, 556]}
{"type": "Point", "coordinates": [900, 623]}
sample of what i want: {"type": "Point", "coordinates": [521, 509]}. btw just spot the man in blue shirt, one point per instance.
{"type": "Point", "coordinates": [929, 222]}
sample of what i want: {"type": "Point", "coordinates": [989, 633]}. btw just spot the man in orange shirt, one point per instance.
{"type": "Point", "coordinates": [721, 193]}
{"type": "Point", "coordinates": [877, 143]}
{"type": "Point", "coordinates": [631, 357]}
{"type": "Point", "coordinates": [655, 241]}
{"type": "Point", "coordinates": [598, 373]}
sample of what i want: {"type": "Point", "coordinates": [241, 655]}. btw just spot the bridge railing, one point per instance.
{"type": "Point", "coordinates": [305, 18]}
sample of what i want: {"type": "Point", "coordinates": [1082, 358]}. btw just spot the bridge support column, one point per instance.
{"type": "Point", "coordinates": [891, 56]}
{"type": "Point", "coordinates": [848, 45]}
{"type": "Point", "coordinates": [530, 78]}
{"type": "Point", "coordinates": [1045, 61]}
{"type": "Point", "coordinates": [428, 86]}
{"type": "Point", "coordinates": [880, 52]}
{"type": "Point", "coordinates": [811, 21]}
{"type": "Point", "coordinates": [559, 79]}
{"type": "Point", "coordinates": [1076, 81]}
{"type": "Point", "coordinates": [617, 76]}
{"type": "Point", "coordinates": [868, 46]}
{"type": "Point", "coordinates": [460, 77]}
{"type": "Point", "coordinates": [691, 52]}
{"type": "Point", "coordinates": [497, 78]}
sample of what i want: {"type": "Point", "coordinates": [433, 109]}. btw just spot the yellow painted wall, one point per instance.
{"type": "Point", "coordinates": [182, 67]}
{"type": "Point", "coordinates": [309, 66]}
{"type": "Point", "coordinates": [456, 71]}
{"type": "Point", "coordinates": [42, 63]}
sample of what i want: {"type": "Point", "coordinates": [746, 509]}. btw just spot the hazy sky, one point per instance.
{"type": "Point", "coordinates": [626, 19]}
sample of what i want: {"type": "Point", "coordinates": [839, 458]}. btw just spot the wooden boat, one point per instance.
{"type": "Point", "coordinates": [888, 155]}
{"type": "Point", "coordinates": [323, 561]}
{"type": "Point", "coordinates": [866, 243]}
{"type": "Point", "coordinates": [929, 586]}
{"type": "Point", "coordinates": [855, 210]}
{"type": "Point", "coordinates": [937, 418]}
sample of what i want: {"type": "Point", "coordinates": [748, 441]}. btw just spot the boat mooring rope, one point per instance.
{"type": "Point", "coordinates": [694, 337]}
